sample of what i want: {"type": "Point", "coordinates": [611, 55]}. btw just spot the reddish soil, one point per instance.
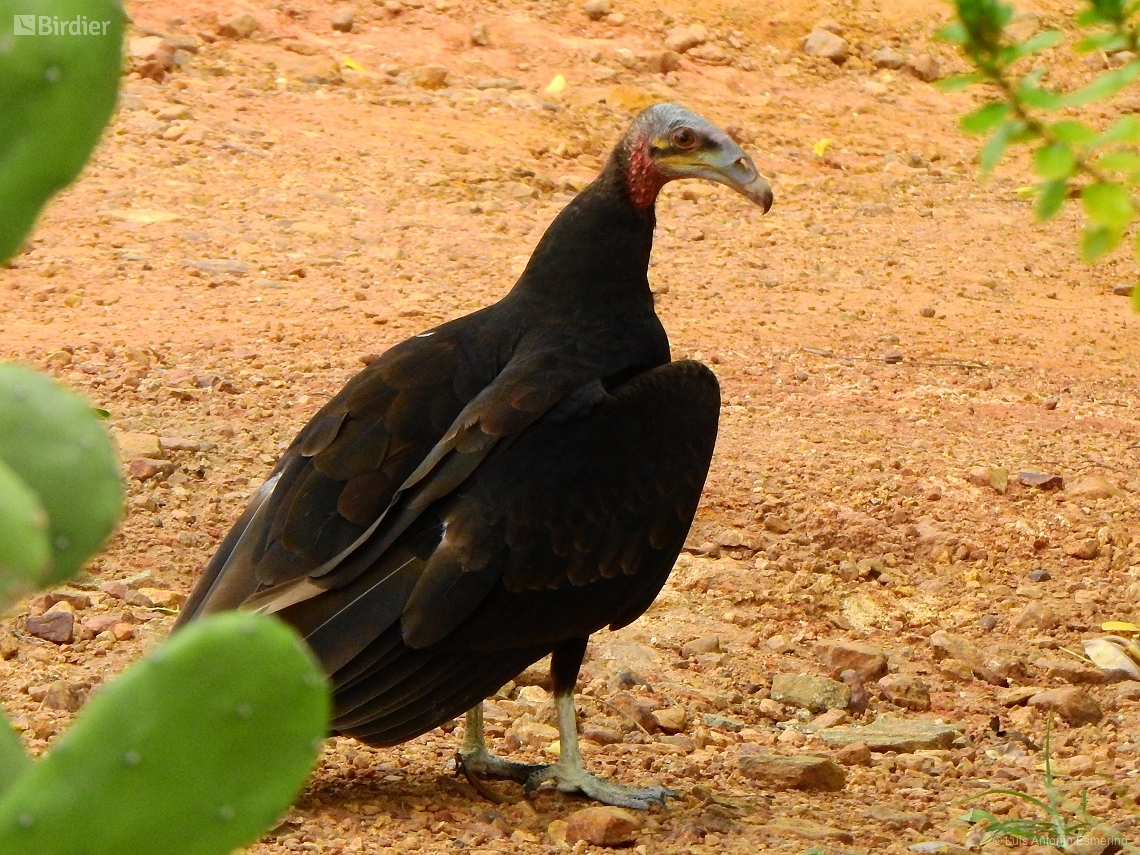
{"type": "Point", "coordinates": [891, 325]}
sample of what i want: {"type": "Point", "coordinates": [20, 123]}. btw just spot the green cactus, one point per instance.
{"type": "Point", "coordinates": [25, 549]}
{"type": "Point", "coordinates": [53, 442]}
{"type": "Point", "coordinates": [57, 92]}
{"type": "Point", "coordinates": [193, 751]}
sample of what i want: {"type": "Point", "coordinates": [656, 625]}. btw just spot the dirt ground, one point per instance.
{"type": "Point", "coordinates": [246, 235]}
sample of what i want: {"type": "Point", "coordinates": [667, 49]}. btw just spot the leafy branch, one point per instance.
{"type": "Point", "coordinates": [1071, 158]}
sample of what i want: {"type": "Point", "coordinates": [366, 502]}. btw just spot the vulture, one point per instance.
{"type": "Point", "coordinates": [496, 489]}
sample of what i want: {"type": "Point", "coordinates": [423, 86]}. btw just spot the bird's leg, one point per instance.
{"type": "Point", "coordinates": [567, 773]}
{"type": "Point", "coordinates": [473, 757]}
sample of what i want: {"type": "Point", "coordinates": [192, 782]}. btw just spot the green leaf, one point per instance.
{"type": "Point", "coordinates": [1125, 130]}
{"type": "Point", "coordinates": [1136, 298]}
{"type": "Point", "coordinates": [976, 815]}
{"type": "Point", "coordinates": [954, 32]}
{"type": "Point", "coordinates": [1118, 161]}
{"type": "Point", "coordinates": [1051, 196]}
{"type": "Point", "coordinates": [1108, 204]}
{"type": "Point", "coordinates": [1105, 86]}
{"type": "Point", "coordinates": [1054, 161]}
{"type": "Point", "coordinates": [1072, 132]}
{"type": "Point", "coordinates": [957, 82]}
{"type": "Point", "coordinates": [1096, 241]}
{"type": "Point", "coordinates": [1102, 41]}
{"type": "Point", "coordinates": [985, 118]}
{"type": "Point", "coordinates": [25, 538]}
{"type": "Point", "coordinates": [1036, 44]}
{"type": "Point", "coordinates": [992, 151]}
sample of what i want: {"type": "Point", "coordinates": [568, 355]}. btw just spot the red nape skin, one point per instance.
{"type": "Point", "coordinates": [644, 177]}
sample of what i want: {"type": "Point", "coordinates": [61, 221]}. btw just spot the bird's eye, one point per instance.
{"type": "Point", "coordinates": [685, 138]}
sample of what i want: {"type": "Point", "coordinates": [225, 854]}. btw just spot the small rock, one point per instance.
{"type": "Point", "coordinates": [56, 626]}
{"type": "Point", "coordinates": [887, 733]}
{"type": "Point", "coordinates": [868, 661]}
{"type": "Point", "coordinates": [143, 468]}
{"type": "Point", "coordinates": [1094, 487]}
{"type": "Point", "coordinates": [602, 735]}
{"type": "Point", "coordinates": [1072, 671]}
{"type": "Point", "coordinates": [1074, 705]}
{"type": "Point", "coordinates": [151, 56]}
{"type": "Point", "coordinates": [1122, 290]}
{"type": "Point", "coordinates": [1036, 615]}
{"type": "Point", "coordinates": [531, 733]}
{"type": "Point", "coordinates": [602, 826]}
{"type": "Point", "coordinates": [1018, 696]}
{"type": "Point", "coordinates": [815, 694]}
{"type": "Point", "coordinates": [773, 710]}
{"type": "Point", "coordinates": [1085, 550]}
{"type": "Point", "coordinates": [1039, 576]}
{"type": "Point", "coordinates": [671, 719]}
{"type": "Point", "coordinates": [342, 19]}
{"type": "Point", "coordinates": [9, 645]}
{"type": "Point", "coordinates": [860, 697]}
{"type": "Point", "coordinates": [854, 754]}
{"type": "Point", "coordinates": [828, 45]}
{"type": "Point", "coordinates": [720, 722]}
{"type": "Point", "coordinates": [101, 623]}
{"type": "Point", "coordinates": [431, 77]}
{"type": "Point", "coordinates": [800, 772]}
{"type": "Point", "coordinates": [163, 598]}
{"type": "Point", "coordinates": [597, 9]}
{"type": "Point", "coordinates": [905, 690]}
{"type": "Point", "coordinates": [1040, 480]}
{"type": "Point", "coordinates": [317, 70]}
{"type": "Point", "coordinates": [1094, 843]}
{"type": "Point", "coordinates": [115, 588]}
{"type": "Point", "coordinates": [682, 39]}
{"type": "Point", "coordinates": [239, 27]}
{"type": "Point", "coordinates": [831, 718]}
{"type": "Point", "coordinates": [480, 37]}
{"type": "Point", "coordinates": [134, 444]}
{"type": "Point", "coordinates": [709, 52]}
{"type": "Point", "coordinates": [707, 644]}
{"type": "Point", "coordinates": [123, 631]}
{"type": "Point", "coordinates": [829, 24]}
{"type": "Point", "coordinates": [62, 695]}
{"type": "Point", "coordinates": [664, 62]}
{"type": "Point", "coordinates": [989, 476]}
{"type": "Point", "coordinates": [988, 622]}
{"type": "Point", "coordinates": [927, 312]}
{"type": "Point", "coordinates": [896, 819]}
{"type": "Point", "coordinates": [924, 67]}
{"type": "Point", "coordinates": [638, 709]}
{"type": "Point", "coordinates": [888, 57]}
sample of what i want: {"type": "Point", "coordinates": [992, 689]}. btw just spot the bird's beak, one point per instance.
{"type": "Point", "coordinates": [725, 163]}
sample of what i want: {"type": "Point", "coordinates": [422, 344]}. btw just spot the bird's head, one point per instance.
{"type": "Point", "coordinates": [666, 142]}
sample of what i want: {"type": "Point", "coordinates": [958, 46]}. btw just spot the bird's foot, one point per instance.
{"type": "Point", "coordinates": [577, 780]}
{"type": "Point", "coordinates": [481, 762]}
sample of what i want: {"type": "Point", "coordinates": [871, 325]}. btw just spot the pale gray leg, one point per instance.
{"type": "Point", "coordinates": [474, 758]}
{"type": "Point", "coordinates": [569, 776]}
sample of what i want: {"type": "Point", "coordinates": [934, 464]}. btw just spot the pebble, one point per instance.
{"type": "Point", "coordinates": [480, 36]}
{"type": "Point", "coordinates": [888, 57]}
{"type": "Point", "coordinates": [342, 19]}
{"type": "Point", "coordinates": [854, 754]}
{"type": "Point", "coordinates": [706, 644]}
{"type": "Point", "coordinates": [815, 694]}
{"type": "Point", "coordinates": [530, 733]}
{"type": "Point", "coordinates": [602, 826]}
{"type": "Point", "coordinates": [896, 819]}
{"type": "Point", "coordinates": [56, 626]}
{"type": "Point", "coordinates": [134, 444]}
{"type": "Point", "coordinates": [9, 645]}
{"type": "Point", "coordinates": [826, 44]}
{"type": "Point", "coordinates": [927, 312]}
{"type": "Point", "coordinates": [1040, 480]}
{"type": "Point", "coordinates": [431, 77]}
{"type": "Point", "coordinates": [671, 719]}
{"type": "Point", "coordinates": [867, 660]}
{"type": "Point", "coordinates": [988, 622]}
{"type": "Point", "coordinates": [905, 690]}
{"type": "Point", "coordinates": [800, 772]}
{"type": "Point", "coordinates": [664, 62]}
{"type": "Point", "coordinates": [595, 10]}
{"type": "Point", "coordinates": [683, 39]}
{"type": "Point", "coordinates": [1075, 706]}
{"type": "Point", "coordinates": [239, 27]}
{"type": "Point", "coordinates": [62, 695]}
{"type": "Point", "coordinates": [1084, 550]}
{"type": "Point", "coordinates": [1068, 670]}
{"type": "Point", "coordinates": [925, 67]}
{"type": "Point", "coordinates": [1036, 615]}
{"type": "Point", "coordinates": [217, 267]}
{"type": "Point", "coordinates": [638, 709]}
{"type": "Point", "coordinates": [720, 722]}
{"type": "Point", "coordinates": [989, 476]}
{"type": "Point", "coordinates": [887, 733]}
{"type": "Point", "coordinates": [1094, 487]}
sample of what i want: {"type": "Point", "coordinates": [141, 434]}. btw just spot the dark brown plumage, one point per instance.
{"type": "Point", "coordinates": [498, 488]}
